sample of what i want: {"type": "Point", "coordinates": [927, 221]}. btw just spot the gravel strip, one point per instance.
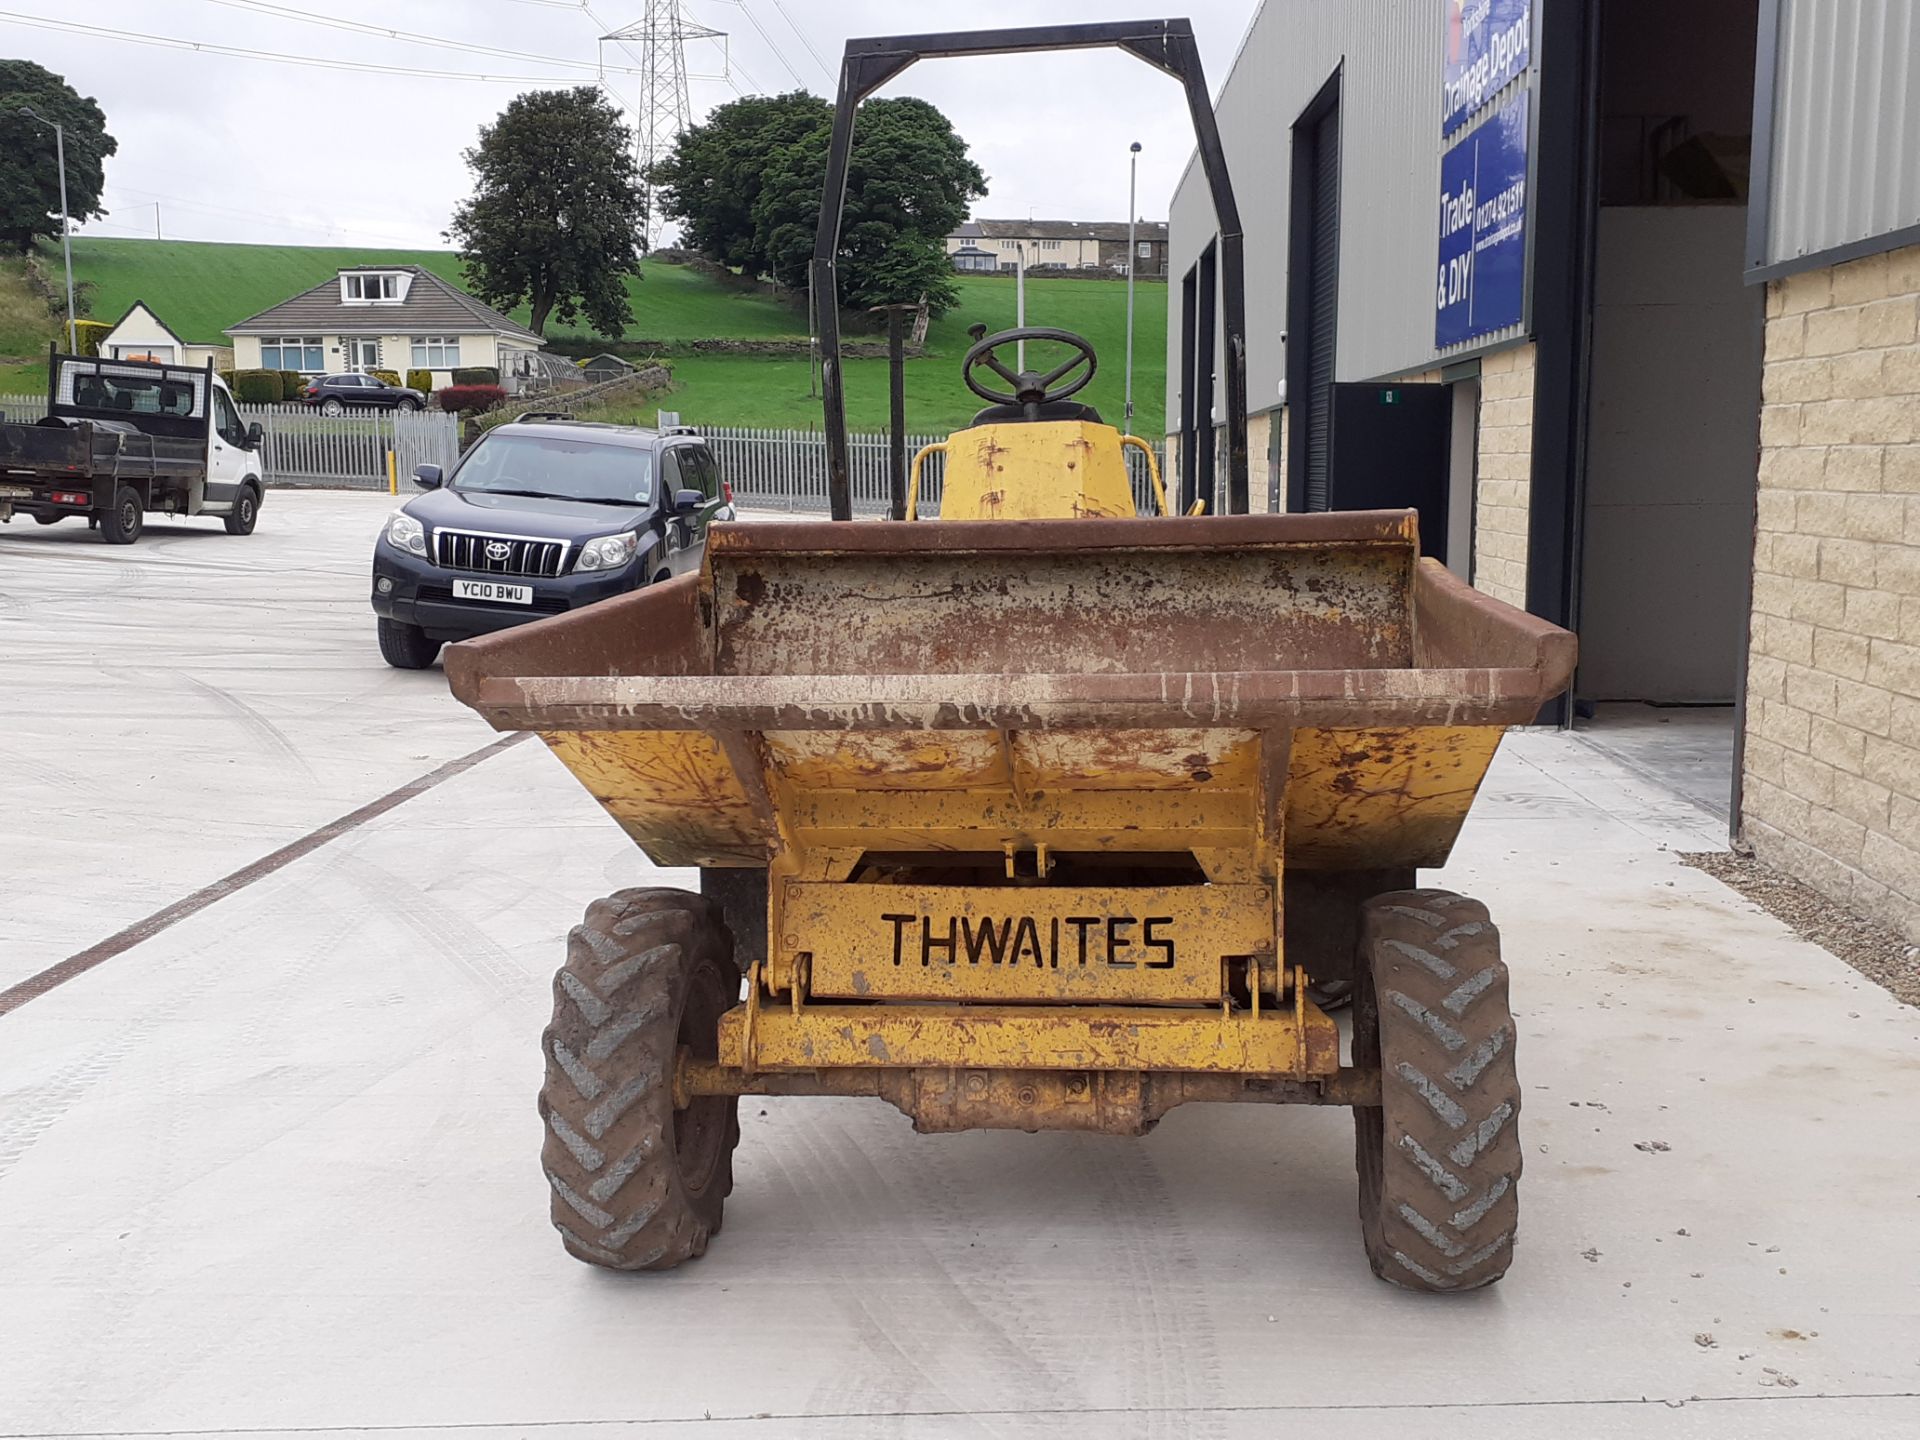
{"type": "Point", "coordinates": [1883, 956]}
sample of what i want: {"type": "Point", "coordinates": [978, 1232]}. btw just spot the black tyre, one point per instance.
{"type": "Point", "coordinates": [637, 1184]}
{"type": "Point", "coordinates": [121, 523]}
{"type": "Point", "coordinates": [406, 647]}
{"type": "Point", "coordinates": [245, 513]}
{"type": "Point", "coordinates": [332, 406]}
{"type": "Point", "coordinates": [1439, 1159]}
{"type": "Point", "coordinates": [408, 405]}
{"type": "Point", "coordinates": [741, 898]}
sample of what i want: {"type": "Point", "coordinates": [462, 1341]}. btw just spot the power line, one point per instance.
{"type": "Point", "coordinates": [165, 42]}
{"type": "Point", "coordinates": [772, 44]}
{"type": "Point", "coordinates": [410, 38]}
{"type": "Point", "coordinates": [825, 69]}
{"type": "Point", "coordinates": [605, 28]}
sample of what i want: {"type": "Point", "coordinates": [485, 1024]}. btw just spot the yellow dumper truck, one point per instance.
{"type": "Point", "coordinates": [1041, 816]}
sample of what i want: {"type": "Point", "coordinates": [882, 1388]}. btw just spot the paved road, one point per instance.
{"type": "Point", "coordinates": [273, 1169]}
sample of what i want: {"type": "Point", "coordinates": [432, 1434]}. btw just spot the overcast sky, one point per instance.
{"type": "Point", "coordinates": [242, 148]}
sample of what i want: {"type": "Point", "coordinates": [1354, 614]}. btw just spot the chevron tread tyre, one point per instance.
{"type": "Point", "coordinates": [636, 1184]}
{"type": "Point", "coordinates": [1439, 1158]}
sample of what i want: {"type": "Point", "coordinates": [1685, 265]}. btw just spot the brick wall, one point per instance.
{"type": "Point", "coordinates": [1832, 790]}
{"type": "Point", "coordinates": [1504, 465]}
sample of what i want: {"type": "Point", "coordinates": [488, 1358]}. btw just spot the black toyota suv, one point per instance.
{"type": "Point", "coordinates": [542, 515]}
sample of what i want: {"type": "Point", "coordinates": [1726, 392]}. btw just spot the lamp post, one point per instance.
{"type": "Point", "coordinates": [66, 241]}
{"type": "Point", "coordinates": [1020, 302]}
{"type": "Point", "coordinates": [1133, 213]}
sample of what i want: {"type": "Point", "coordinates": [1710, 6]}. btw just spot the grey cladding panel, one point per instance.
{"type": "Point", "coordinates": [1846, 125]}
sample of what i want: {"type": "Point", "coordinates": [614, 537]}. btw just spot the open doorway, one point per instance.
{"type": "Point", "coordinates": [1673, 397]}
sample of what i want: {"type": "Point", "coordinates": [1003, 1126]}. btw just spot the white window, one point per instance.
{"type": "Point", "coordinates": [372, 287]}
{"type": "Point", "coordinates": [436, 352]}
{"type": "Point", "coordinates": [1049, 244]}
{"type": "Point", "coordinates": [305, 353]}
{"type": "Point", "coordinates": [1146, 250]}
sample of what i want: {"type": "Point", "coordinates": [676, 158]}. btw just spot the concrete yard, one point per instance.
{"type": "Point", "coordinates": [274, 1169]}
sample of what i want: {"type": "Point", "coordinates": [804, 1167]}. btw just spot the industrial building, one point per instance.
{"type": "Point", "coordinates": [1623, 298]}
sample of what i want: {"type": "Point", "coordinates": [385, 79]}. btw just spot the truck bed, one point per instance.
{"type": "Point", "coordinates": [88, 450]}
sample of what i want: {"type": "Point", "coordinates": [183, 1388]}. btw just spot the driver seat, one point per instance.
{"type": "Point", "coordinates": [1055, 410]}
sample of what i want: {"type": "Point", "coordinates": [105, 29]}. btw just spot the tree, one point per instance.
{"type": "Point", "coordinates": [29, 174]}
{"type": "Point", "coordinates": [556, 219]}
{"type": "Point", "coordinates": [748, 184]}
{"type": "Point", "coordinates": [712, 180]}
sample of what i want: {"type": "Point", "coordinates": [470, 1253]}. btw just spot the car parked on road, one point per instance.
{"type": "Point", "coordinates": [337, 394]}
{"type": "Point", "coordinates": [543, 515]}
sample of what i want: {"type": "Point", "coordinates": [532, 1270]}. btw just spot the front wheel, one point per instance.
{"type": "Point", "coordinates": [406, 647]}
{"type": "Point", "coordinates": [409, 406]}
{"type": "Point", "coordinates": [122, 522]}
{"type": "Point", "coordinates": [637, 1183]}
{"type": "Point", "coordinates": [1439, 1158]}
{"type": "Point", "coordinates": [245, 513]}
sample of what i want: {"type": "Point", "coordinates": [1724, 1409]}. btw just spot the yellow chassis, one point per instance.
{"type": "Point", "coordinates": [1030, 799]}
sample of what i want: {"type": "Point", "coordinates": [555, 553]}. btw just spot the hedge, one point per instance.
{"type": "Point", "coordinates": [470, 399]}
{"type": "Point", "coordinates": [292, 382]}
{"type": "Point", "coordinates": [421, 380]}
{"type": "Point", "coordinates": [87, 335]}
{"type": "Point", "coordinates": [258, 387]}
{"type": "Point", "coordinates": [392, 377]}
{"type": "Point", "coordinates": [478, 375]}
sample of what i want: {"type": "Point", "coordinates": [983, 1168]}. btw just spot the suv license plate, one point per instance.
{"type": "Point", "coordinates": [493, 590]}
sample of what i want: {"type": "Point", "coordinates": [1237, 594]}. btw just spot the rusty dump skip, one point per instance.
{"type": "Point", "coordinates": [1223, 665]}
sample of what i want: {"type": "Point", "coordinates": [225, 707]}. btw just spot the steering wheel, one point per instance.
{"type": "Point", "coordinates": [1031, 388]}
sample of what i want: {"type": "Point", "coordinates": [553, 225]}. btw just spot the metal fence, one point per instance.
{"type": "Point", "coordinates": [350, 451]}
{"type": "Point", "coordinates": [787, 469]}
{"type": "Point", "coordinates": [304, 448]}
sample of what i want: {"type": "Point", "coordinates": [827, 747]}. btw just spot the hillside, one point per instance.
{"type": "Point", "coordinates": [200, 288]}
{"type": "Point", "coordinates": [25, 328]}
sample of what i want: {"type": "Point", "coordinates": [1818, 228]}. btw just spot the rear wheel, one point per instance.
{"type": "Point", "coordinates": [245, 513]}
{"type": "Point", "coordinates": [1439, 1158]}
{"type": "Point", "coordinates": [638, 1184]}
{"type": "Point", "coordinates": [332, 407]}
{"type": "Point", "coordinates": [406, 647]}
{"type": "Point", "coordinates": [122, 522]}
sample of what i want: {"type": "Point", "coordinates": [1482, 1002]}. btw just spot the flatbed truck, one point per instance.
{"type": "Point", "coordinates": [124, 439]}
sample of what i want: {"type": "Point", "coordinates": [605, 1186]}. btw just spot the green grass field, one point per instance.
{"type": "Point", "coordinates": [25, 328]}
{"type": "Point", "coordinates": [773, 391]}
{"type": "Point", "coordinates": [200, 288]}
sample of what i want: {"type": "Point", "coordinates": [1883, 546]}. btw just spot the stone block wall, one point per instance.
{"type": "Point", "coordinates": [1832, 782]}
{"type": "Point", "coordinates": [1504, 468]}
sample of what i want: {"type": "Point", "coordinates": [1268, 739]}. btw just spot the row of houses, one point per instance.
{"type": "Point", "coordinates": [993, 245]}
{"type": "Point", "coordinates": [1624, 297]}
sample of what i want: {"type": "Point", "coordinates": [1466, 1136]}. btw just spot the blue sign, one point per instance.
{"type": "Point", "coordinates": [1482, 284]}
{"type": "Point", "coordinates": [1487, 45]}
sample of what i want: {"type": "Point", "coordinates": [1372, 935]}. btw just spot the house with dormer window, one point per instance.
{"type": "Point", "coordinates": [383, 317]}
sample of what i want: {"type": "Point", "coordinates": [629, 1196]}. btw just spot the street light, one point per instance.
{"type": "Point", "coordinates": [66, 242]}
{"type": "Point", "coordinates": [1133, 212]}
{"type": "Point", "coordinates": [1020, 302]}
